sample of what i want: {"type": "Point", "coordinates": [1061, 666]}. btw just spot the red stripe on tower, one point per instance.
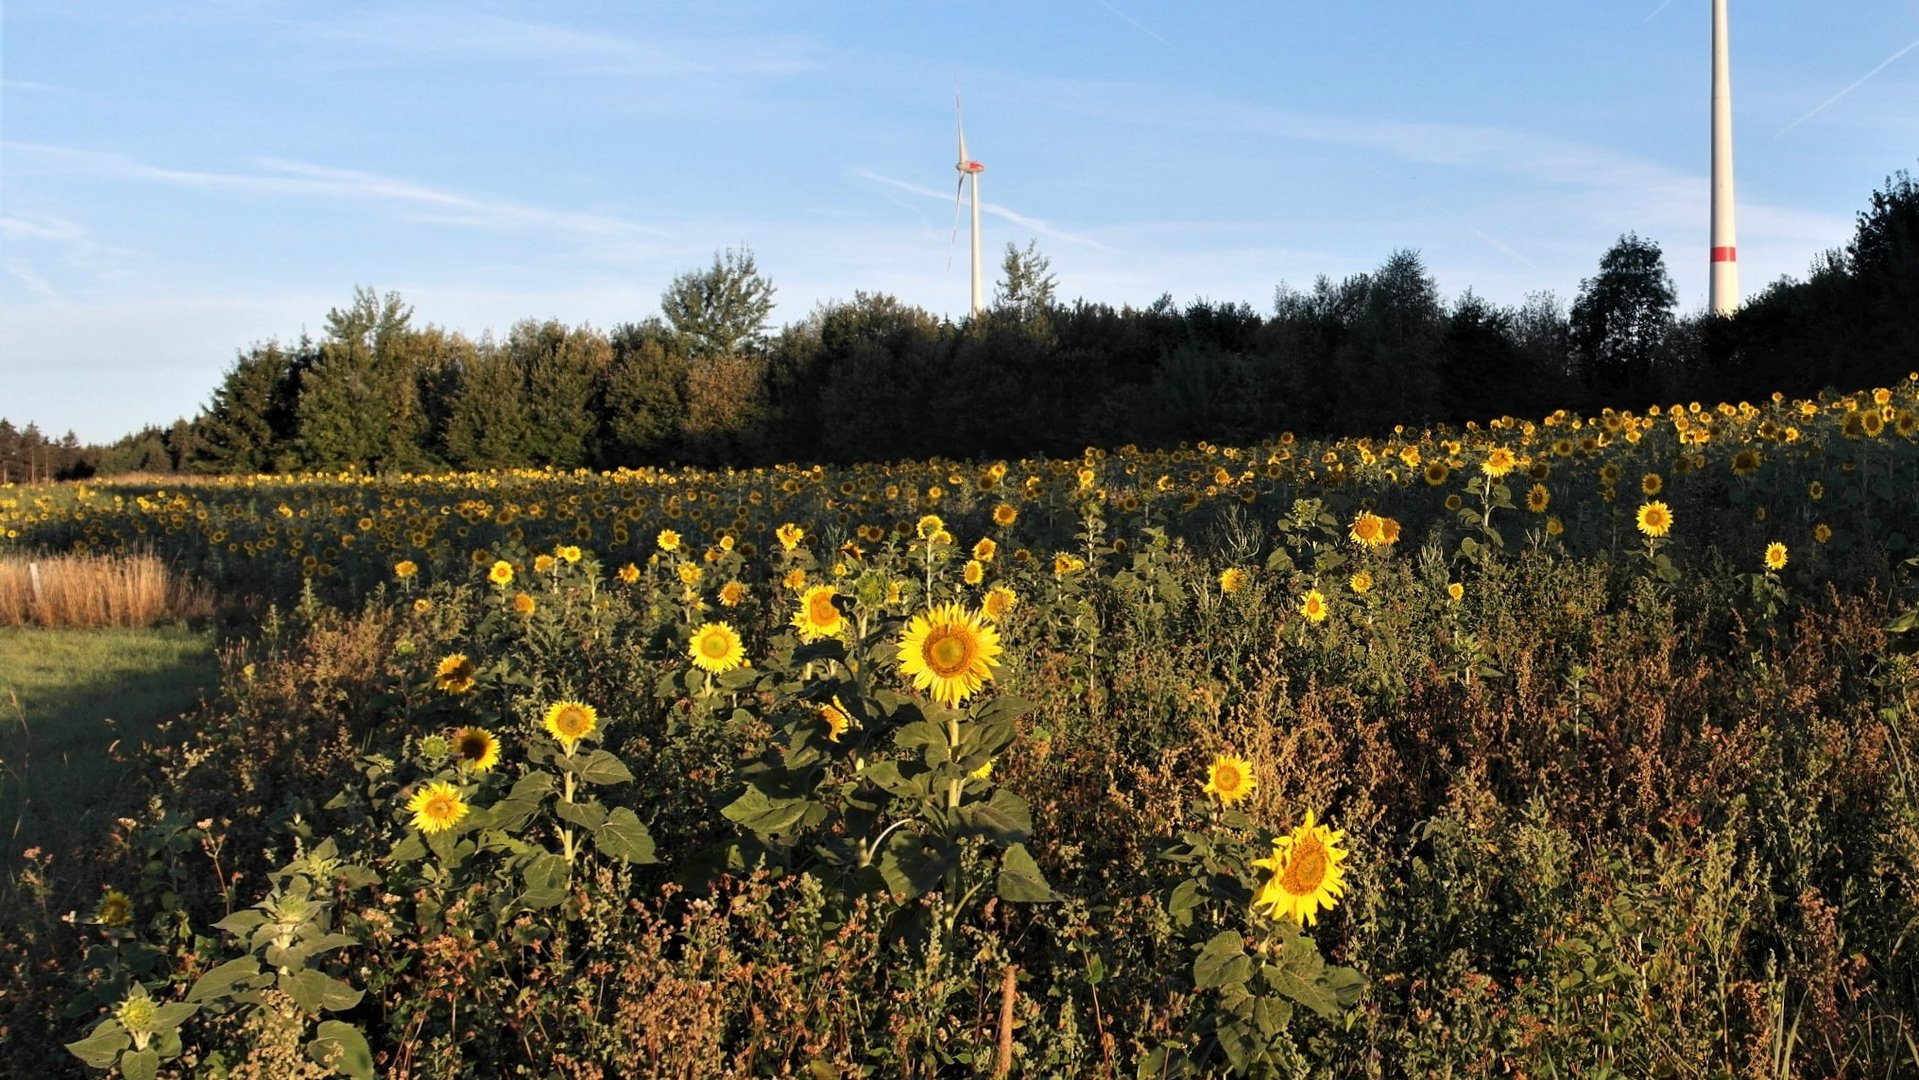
{"type": "Point", "coordinates": [1725, 254]}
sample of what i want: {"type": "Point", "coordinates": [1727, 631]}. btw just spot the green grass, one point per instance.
{"type": "Point", "coordinates": [75, 706]}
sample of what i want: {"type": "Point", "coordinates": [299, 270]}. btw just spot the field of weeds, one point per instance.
{"type": "Point", "coordinates": [1577, 746]}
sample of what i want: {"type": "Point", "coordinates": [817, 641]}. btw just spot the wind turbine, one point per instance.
{"type": "Point", "coordinates": [969, 169]}
{"type": "Point", "coordinates": [1724, 296]}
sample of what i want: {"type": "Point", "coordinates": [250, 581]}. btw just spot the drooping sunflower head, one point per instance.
{"type": "Point", "coordinates": [818, 617]}
{"type": "Point", "coordinates": [1307, 875]}
{"type": "Point", "coordinates": [436, 807]}
{"type": "Point", "coordinates": [1775, 556]}
{"type": "Point", "coordinates": [949, 653]}
{"type": "Point", "coordinates": [1230, 778]}
{"type": "Point", "coordinates": [1655, 518]}
{"type": "Point", "coordinates": [716, 648]}
{"type": "Point", "coordinates": [833, 715]}
{"type": "Point", "coordinates": [570, 721]}
{"type": "Point", "coordinates": [455, 674]}
{"type": "Point", "coordinates": [477, 748]}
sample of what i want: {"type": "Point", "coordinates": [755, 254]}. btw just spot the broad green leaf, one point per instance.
{"type": "Point", "coordinates": [602, 767]}
{"type": "Point", "coordinates": [1020, 880]}
{"type": "Point", "coordinates": [589, 816]}
{"type": "Point", "coordinates": [101, 1048]}
{"type": "Point", "coordinates": [139, 1064]}
{"type": "Point", "coordinates": [763, 814]}
{"type": "Point", "coordinates": [545, 878]}
{"type": "Point", "coordinates": [223, 979]}
{"type": "Point", "coordinates": [344, 1046]}
{"type": "Point", "coordinates": [1003, 819]}
{"type": "Point", "coordinates": [907, 866]}
{"type": "Point", "coordinates": [173, 1014]}
{"type": "Point", "coordinates": [625, 837]}
{"type": "Point", "coordinates": [1223, 962]}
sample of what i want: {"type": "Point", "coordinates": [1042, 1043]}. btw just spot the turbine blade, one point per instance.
{"type": "Point", "coordinates": [953, 240]}
{"type": "Point", "coordinates": [960, 118]}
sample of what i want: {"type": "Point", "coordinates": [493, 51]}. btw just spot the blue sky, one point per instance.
{"type": "Point", "coordinates": [181, 179]}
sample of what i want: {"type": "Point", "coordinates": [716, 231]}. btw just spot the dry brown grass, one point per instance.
{"type": "Point", "coordinates": [94, 591]}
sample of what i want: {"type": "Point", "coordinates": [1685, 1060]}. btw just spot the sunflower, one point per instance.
{"type": "Point", "coordinates": [1746, 462]}
{"type": "Point", "coordinates": [1232, 579]}
{"type": "Point", "coordinates": [1651, 484]}
{"type": "Point", "coordinates": [1005, 514]}
{"type": "Point", "coordinates": [668, 540]}
{"type": "Point", "coordinates": [405, 568]}
{"type": "Point", "coordinates": [1538, 498]}
{"type": "Point", "coordinates": [455, 674]}
{"type": "Point", "coordinates": [1815, 491]}
{"type": "Point", "coordinates": [543, 564]}
{"type": "Point", "coordinates": [1368, 529]}
{"type": "Point", "coordinates": [1655, 518]}
{"type": "Point", "coordinates": [1064, 564]}
{"type": "Point", "coordinates": [570, 554]}
{"type": "Point", "coordinates": [949, 651]}
{"type": "Point", "coordinates": [501, 574]}
{"type": "Point", "coordinates": [985, 549]}
{"type": "Point", "coordinates": [1456, 591]}
{"type": "Point", "coordinates": [1554, 526]}
{"type": "Point", "coordinates": [732, 594]}
{"type": "Point", "coordinates": [789, 536]}
{"type": "Point", "coordinates": [833, 715]}
{"type": "Point", "coordinates": [929, 527]}
{"type": "Point", "coordinates": [477, 748]}
{"type": "Point", "coordinates": [691, 573]}
{"type": "Point", "coordinates": [818, 617]}
{"type": "Point", "coordinates": [116, 909]}
{"type": "Point", "coordinates": [1775, 556]}
{"type": "Point", "coordinates": [1361, 582]}
{"type": "Point", "coordinates": [999, 602]}
{"type": "Point", "coordinates": [570, 721]}
{"type": "Point", "coordinates": [1822, 532]}
{"type": "Point", "coordinates": [523, 604]}
{"type": "Point", "coordinates": [1230, 778]}
{"type": "Point", "coordinates": [716, 648]}
{"type": "Point", "coordinates": [436, 807]}
{"type": "Point", "coordinates": [1499, 461]}
{"type": "Point", "coordinates": [1436, 473]}
{"type": "Point", "coordinates": [1313, 606]}
{"type": "Point", "coordinates": [1306, 874]}
{"type": "Point", "coordinates": [629, 574]}
{"type": "Point", "coordinates": [973, 572]}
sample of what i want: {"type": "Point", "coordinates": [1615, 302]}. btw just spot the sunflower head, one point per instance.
{"type": "Point", "coordinates": [437, 807]}
{"type": "Point", "coordinates": [999, 603]}
{"type": "Point", "coordinates": [1232, 580]}
{"type": "Point", "coordinates": [716, 648]}
{"type": "Point", "coordinates": [524, 604]}
{"type": "Point", "coordinates": [1230, 778]}
{"type": "Point", "coordinates": [818, 617]}
{"type": "Point", "coordinates": [789, 536]}
{"type": "Point", "coordinates": [949, 652]}
{"type": "Point", "coordinates": [1655, 518]}
{"type": "Point", "coordinates": [1538, 498]}
{"type": "Point", "coordinates": [1306, 873]}
{"type": "Point", "coordinates": [116, 909]}
{"type": "Point", "coordinates": [501, 574]}
{"type": "Point", "coordinates": [570, 721]}
{"type": "Point", "coordinates": [455, 674]}
{"type": "Point", "coordinates": [1313, 606]}
{"type": "Point", "coordinates": [1775, 556]}
{"type": "Point", "coordinates": [477, 748]}
{"type": "Point", "coordinates": [1361, 582]}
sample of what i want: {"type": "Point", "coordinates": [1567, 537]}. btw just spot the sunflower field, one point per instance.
{"type": "Point", "coordinates": [1574, 746]}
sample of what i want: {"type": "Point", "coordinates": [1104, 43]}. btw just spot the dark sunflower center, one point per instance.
{"type": "Point", "coordinates": [822, 612]}
{"type": "Point", "coordinates": [473, 747]}
{"type": "Point", "coordinates": [1307, 869]}
{"type": "Point", "coordinates": [949, 652]}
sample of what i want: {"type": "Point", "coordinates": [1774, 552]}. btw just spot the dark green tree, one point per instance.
{"type": "Point", "coordinates": [1622, 319]}
{"type": "Point", "coordinates": [359, 405]}
{"type": "Point", "coordinates": [487, 426]}
{"type": "Point", "coordinates": [1027, 284]}
{"type": "Point", "coordinates": [645, 402]}
{"type": "Point", "coordinates": [248, 425]}
{"type": "Point", "coordinates": [564, 370]}
{"type": "Point", "coordinates": [723, 309]}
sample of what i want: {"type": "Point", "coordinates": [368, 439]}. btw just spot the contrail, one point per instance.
{"type": "Point", "coordinates": [1823, 106]}
{"type": "Point", "coordinates": [1655, 12]}
{"type": "Point", "coordinates": [1143, 28]}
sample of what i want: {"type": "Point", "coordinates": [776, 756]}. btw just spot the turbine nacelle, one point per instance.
{"type": "Point", "coordinates": [970, 167]}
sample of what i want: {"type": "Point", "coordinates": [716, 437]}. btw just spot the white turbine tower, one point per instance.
{"type": "Point", "coordinates": [968, 168]}
{"type": "Point", "coordinates": [1724, 297]}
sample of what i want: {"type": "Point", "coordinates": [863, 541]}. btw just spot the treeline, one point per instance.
{"type": "Point", "coordinates": [708, 383]}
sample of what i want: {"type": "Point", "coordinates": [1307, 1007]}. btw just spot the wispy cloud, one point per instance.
{"type": "Point", "coordinates": [1861, 81]}
{"type": "Point", "coordinates": [458, 33]}
{"type": "Point", "coordinates": [1135, 23]}
{"type": "Point", "coordinates": [276, 177]}
{"type": "Point", "coordinates": [1038, 225]}
{"type": "Point", "coordinates": [1655, 13]}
